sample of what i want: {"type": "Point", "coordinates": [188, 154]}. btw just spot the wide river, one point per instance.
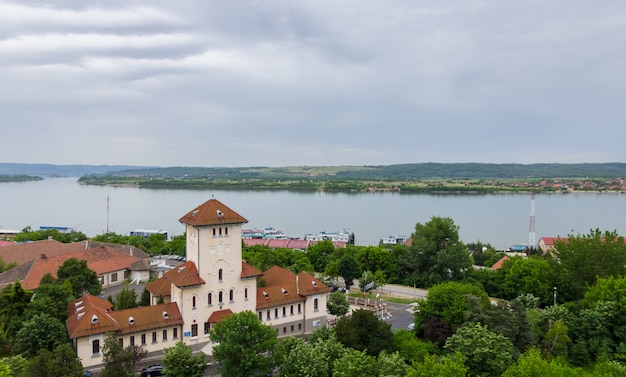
{"type": "Point", "coordinates": [500, 219]}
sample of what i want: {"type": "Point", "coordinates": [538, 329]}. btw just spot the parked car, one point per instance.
{"type": "Point", "coordinates": [153, 370]}
{"type": "Point", "coordinates": [88, 374]}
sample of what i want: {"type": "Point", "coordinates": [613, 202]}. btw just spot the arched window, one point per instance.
{"type": "Point", "coordinates": [315, 305]}
{"type": "Point", "coordinates": [221, 297]}
{"type": "Point", "coordinates": [231, 295]}
{"type": "Point", "coordinates": [210, 298]}
{"type": "Point", "coordinates": [193, 301]}
{"type": "Point", "coordinates": [220, 274]}
{"type": "Point", "coordinates": [245, 293]}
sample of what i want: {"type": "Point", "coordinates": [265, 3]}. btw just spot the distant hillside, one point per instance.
{"type": "Point", "coordinates": [400, 171]}
{"type": "Point", "coordinates": [15, 169]}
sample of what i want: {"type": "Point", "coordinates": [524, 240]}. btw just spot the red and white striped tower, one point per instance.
{"type": "Point", "coordinates": [531, 234]}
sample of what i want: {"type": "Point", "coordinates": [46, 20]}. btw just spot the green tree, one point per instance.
{"type": "Point", "coordinates": [305, 360]}
{"type": "Point", "coordinates": [13, 303]}
{"type": "Point", "coordinates": [337, 304]}
{"type": "Point", "coordinates": [437, 255]}
{"type": "Point", "coordinates": [40, 332]}
{"type": "Point", "coordinates": [179, 362]}
{"type": "Point", "coordinates": [348, 269]}
{"type": "Point", "coordinates": [244, 345]}
{"type": "Point", "coordinates": [531, 364]}
{"type": "Point", "coordinates": [355, 363]}
{"type": "Point", "coordinates": [80, 276]}
{"type": "Point", "coordinates": [364, 332]}
{"type": "Point", "coordinates": [145, 297]}
{"type": "Point", "coordinates": [584, 258]}
{"type": "Point", "coordinates": [125, 299]}
{"type": "Point", "coordinates": [391, 365]}
{"type": "Point", "coordinates": [51, 299]}
{"type": "Point", "coordinates": [449, 304]}
{"type": "Point", "coordinates": [62, 361]}
{"type": "Point", "coordinates": [411, 348]}
{"type": "Point", "coordinates": [487, 353]}
{"type": "Point", "coordinates": [118, 361]}
{"type": "Point", "coordinates": [439, 366]}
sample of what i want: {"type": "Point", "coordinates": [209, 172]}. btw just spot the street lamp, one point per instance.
{"type": "Point", "coordinates": [554, 296]}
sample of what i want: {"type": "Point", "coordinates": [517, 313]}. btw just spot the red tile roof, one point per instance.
{"type": "Point", "coordinates": [299, 244]}
{"type": "Point", "coordinates": [255, 241]}
{"type": "Point", "coordinates": [212, 212]}
{"type": "Point", "coordinates": [184, 275]}
{"type": "Point", "coordinates": [90, 315]}
{"type": "Point", "coordinates": [500, 262]}
{"type": "Point", "coordinates": [102, 260]}
{"type": "Point", "coordinates": [283, 287]}
{"type": "Point", "coordinates": [274, 244]}
{"type": "Point", "coordinates": [218, 316]}
{"type": "Point", "coordinates": [160, 287]}
{"type": "Point", "coordinates": [21, 253]}
{"type": "Point", "coordinates": [248, 271]}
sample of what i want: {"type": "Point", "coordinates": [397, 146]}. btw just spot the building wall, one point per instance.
{"type": "Point", "coordinates": [84, 345]}
{"type": "Point", "coordinates": [113, 278]}
{"type": "Point", "coordinates": [315, 316]}
{"type": "Point", "coordinates": [286, 324]}
{"type": "Point", "coordinates": [216, 251]}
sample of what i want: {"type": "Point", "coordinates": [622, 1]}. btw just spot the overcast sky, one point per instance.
{"type": "Point", "coordinates": [280, 83]}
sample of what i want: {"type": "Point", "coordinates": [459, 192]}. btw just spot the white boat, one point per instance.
{"type": "Point", "coordinates": [344, 235]}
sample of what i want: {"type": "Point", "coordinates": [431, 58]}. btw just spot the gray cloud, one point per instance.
{"type": "Point", "coordinates": [244, 83]}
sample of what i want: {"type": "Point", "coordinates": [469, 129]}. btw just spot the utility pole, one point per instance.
{"type": "Point", "coordinates": [531, 234]}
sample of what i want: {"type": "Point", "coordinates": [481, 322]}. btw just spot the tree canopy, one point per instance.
{"type": "Point", "coordinates": [244, 345]}
{"type": "Point", "coordinates": [81, 277]}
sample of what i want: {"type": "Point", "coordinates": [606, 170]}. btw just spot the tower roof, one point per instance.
{"type": "Point", "coordinates": [212, 212]}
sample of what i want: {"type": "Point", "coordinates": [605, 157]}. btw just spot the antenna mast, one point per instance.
{"type": "Point", "coordinates": [531, 233]}
{"type": "Point", "coordinates": [108, 200]}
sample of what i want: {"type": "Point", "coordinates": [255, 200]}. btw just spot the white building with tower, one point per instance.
{"type": "Point", "coordinates": [213, 283]}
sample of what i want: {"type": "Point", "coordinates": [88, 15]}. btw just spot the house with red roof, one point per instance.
{"type": "Point", "coordinates": [213, 283]}
{"type": "Point", "coordinates": [111, 265]}
{"type": "Point", "coordinates": [90, 318]}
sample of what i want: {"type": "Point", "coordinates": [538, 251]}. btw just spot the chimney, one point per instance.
{"type": "Point", "coordinates": [43, 256]}
{"type": "Point", "coordinates": [49, 238]}
{"type": "Point", "coordinates": [297, 284]}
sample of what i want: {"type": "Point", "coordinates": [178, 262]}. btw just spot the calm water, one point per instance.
{"type": "Point", "coordinates": [500, 219]}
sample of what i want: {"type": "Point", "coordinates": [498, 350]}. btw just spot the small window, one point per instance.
{"type": "Point", "coordinates": [213, 232]}
{"type": "Point", "coordinates": [226, 231]}
{"type": "Point", "coordinates": [245, 293]}
{"type": "Point", "coordinates": [95, 347]}
{"type": "Point", "coordinates": [132, 340]}
{"type": "Point", "coordinates": [210, 298]}
{"type": "Point", "coordinates": [268, 315]}
{"type": "Point", "coordinates": [275, 312]}
{"type": "Point", "coordinates": [207, 327]}
{"type": "Point", "coordinates": [154, 337]}
{"type": "Point", "coordinates": [231, 295]}
{"type": "Point", "coordinates": [299, 326]}
{"type": "Point", "coordinates": [175, 332]}
{"type": "Point", "coordinates": [285, 330]}
{"type": "Point", "coordinates": [221, 297]}
{"type": "Point", "coordinates": [315, 305]}
{"type": "Point", "coordinates": [291, 328]}
{"type": "Point", "coordinates": [193, 302]}
{"type": "Point", "coordinates": [284, 311]}
{"type": "Point", "coordinates": [114, 277]}
{"type": "Point", "coordinates": [220, 232]}
{"type": "Point", "coordinates": [291, 310]}
{"type": "Point", "coordinates": [121, 342]}
{"type": "Point", "coordinates": [143, 339]}
{"type": "Point", "coordinates": [194, 329]}
{"type": "Point", "coordinates": [220, 275]}
{"type": "Point", "coordinates": [126, 274]}
{"type": "Point", "coordinates": [299, 309]}
{"type": "Point", "coordinates": [260, 316]}
{"type": "Point", "coordinates": [165, 334]}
